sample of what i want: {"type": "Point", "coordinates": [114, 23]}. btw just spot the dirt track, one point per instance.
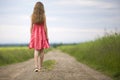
{"type": "Point", "coordinates": [66, 68]}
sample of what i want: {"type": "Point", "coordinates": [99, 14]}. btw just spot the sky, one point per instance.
{"type": "Point", "coordinates": [68, 21]}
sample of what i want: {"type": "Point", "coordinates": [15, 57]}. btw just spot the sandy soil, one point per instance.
{"type": "Point", "coordinates": [66, 68]}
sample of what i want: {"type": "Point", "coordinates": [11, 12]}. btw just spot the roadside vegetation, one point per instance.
{"type": "Point", "coordinates": [15, 54]}
{"type": "Point", "coordinates": [49, 64]}
{"type": "Point", "coordinates": [102, 54]}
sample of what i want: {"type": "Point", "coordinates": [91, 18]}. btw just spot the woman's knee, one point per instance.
{"type": "Point", "coordinates": [41, 50]}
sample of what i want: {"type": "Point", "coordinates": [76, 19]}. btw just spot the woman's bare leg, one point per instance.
{"type": "Point", "coordinates": [41, 57]}
{"type": "Point", "coordinates": [36, 52]}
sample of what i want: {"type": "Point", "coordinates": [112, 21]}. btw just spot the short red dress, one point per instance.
{"type": "Point", "coordinates": [38, 38]}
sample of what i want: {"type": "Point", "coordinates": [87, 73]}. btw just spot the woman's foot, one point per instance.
{"type": "Point", "coordinates": [39, 69]}
{"type": "Point", "coordinates": [36, 70]}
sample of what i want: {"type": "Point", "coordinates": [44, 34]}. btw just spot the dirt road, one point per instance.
{"type": "Point", "coordinates": [66, 68]}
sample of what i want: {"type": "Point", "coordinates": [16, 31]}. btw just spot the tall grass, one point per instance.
{"type": "Point", "coordinates": [9, 55]}
{"type": "Point", "coordinates": [102, 54]}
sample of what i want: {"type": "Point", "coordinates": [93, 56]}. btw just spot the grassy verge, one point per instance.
{"type": "Point", "coordinates": [102, 54]}
{"type": "Point", "coordinates": [49, 64]}
{"type": "Point", "coordinates": [9, 55]}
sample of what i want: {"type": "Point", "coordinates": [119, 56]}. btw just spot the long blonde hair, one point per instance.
{"type": "Point", "coordinates": [38, 13]}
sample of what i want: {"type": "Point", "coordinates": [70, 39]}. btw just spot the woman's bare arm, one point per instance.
{"type": "Point", "coordinates": [45, 26]}
{"type": "Point", "coordinates": [31, 27]}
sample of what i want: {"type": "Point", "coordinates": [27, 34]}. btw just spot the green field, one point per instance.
{"type": "Point", "coordinates": [9, 55]}
{"type": "Point", "coordinates": [103, 54]}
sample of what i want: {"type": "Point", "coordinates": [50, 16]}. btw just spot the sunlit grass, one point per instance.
{"type": "Point", "coordinates": [102, 54]}
{"type": "Point", "coordinates": [9, 55]}
{"type": "Point", "coordinates": [49, 64]}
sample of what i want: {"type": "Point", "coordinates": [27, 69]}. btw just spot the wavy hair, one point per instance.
{"type": "Point", "coordinates": [38, 13]}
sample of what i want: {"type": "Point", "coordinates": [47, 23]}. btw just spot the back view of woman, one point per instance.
{"type": "Point", "coordinates": [39, 35]}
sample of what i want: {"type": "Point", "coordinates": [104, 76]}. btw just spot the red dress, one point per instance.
{"type": "Point", "coordinates": [38, 37]}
